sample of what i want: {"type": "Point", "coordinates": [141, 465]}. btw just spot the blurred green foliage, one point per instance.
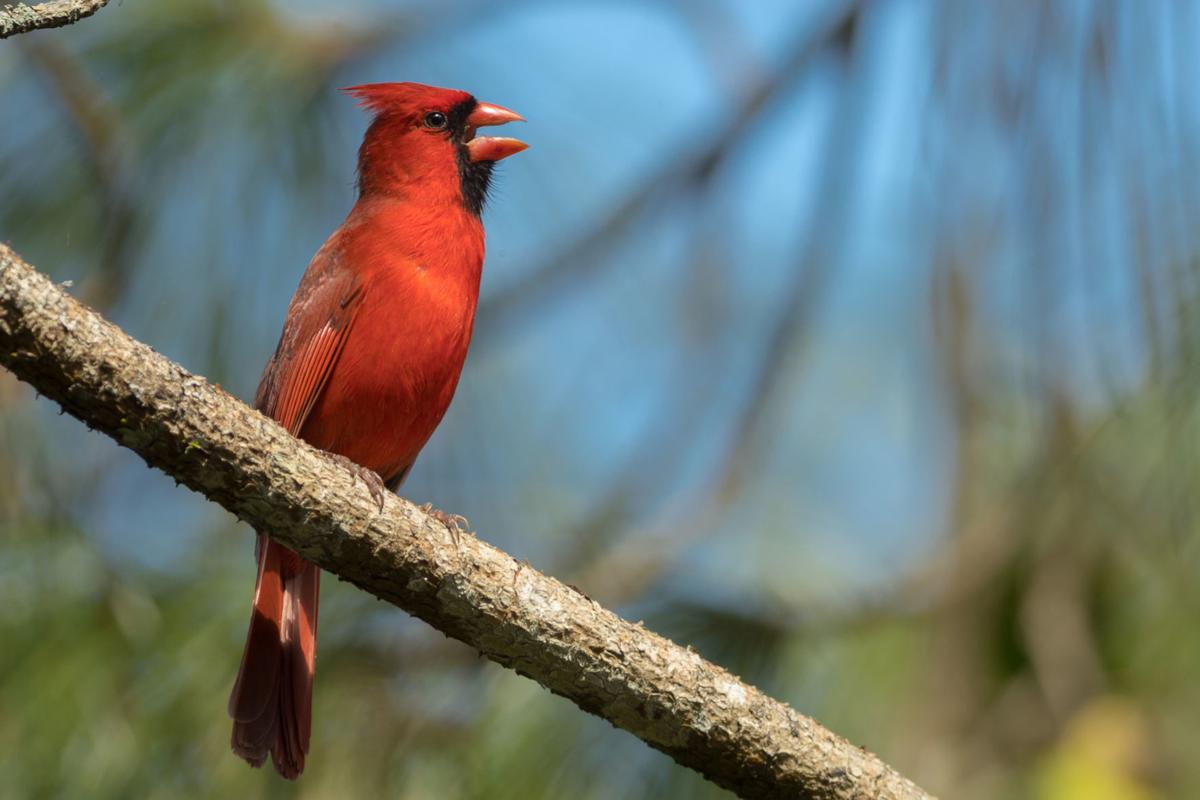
{"type": "Point", "coordinates": [855, 346]}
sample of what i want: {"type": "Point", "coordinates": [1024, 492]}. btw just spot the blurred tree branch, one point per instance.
{"type": "Point", "coordinates": [667, 695]}
{"type": "Point", "coordinates": [21, 18]}
{"type": "Point", "coordinates": [690, 171]}
{"type": "Point", "coordinates": [625, 569]}
{"type": "Point", "coordinates": [107, 146]}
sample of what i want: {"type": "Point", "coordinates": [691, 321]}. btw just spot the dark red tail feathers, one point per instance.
{"type": "Point", "coordinates": [271, 702]}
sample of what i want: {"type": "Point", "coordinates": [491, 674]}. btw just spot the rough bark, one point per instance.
{"type": "Point", "coordinates": [22, 18]}
{"type": "Point", "coordinates": [665, 694]}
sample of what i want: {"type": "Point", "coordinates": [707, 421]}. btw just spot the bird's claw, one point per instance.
{"type": "Point", "coordinates": [370, 477]}
{"type": "Point", "coordinates": [455, 523]}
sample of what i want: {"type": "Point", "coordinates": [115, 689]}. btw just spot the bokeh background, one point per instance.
{"type": "Point", "coordinates": [852, 343]}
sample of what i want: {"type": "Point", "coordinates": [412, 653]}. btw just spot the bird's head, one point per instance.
{"type": "Point", "coordinates": [422, 143]}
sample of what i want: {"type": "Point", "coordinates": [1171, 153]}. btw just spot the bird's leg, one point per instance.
{"type": "Point", "coordinates": [370, 477]}
{"type": "Point", "coordinates": [455, 523]}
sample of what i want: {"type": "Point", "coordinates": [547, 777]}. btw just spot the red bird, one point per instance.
{"type": "Point", "coordinates": [369, 358]}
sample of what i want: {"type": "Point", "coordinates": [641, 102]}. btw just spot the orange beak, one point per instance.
{"type": "Point", "coordinates": [491, 148]}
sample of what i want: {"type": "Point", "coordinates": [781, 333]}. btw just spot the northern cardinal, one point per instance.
{"type": "Point", "coordinates": [369, 358]}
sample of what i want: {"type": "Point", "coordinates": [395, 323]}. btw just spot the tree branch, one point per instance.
{"type": "Point", "coordinates": [23, 18]}
{"type": "Point", "coordinates": [665, 694]}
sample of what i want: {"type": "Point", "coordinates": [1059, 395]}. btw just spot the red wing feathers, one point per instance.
{"type": "Point", "coordinates": [307, 376]}
{"type": "Point", "coordinates": [308, 349]}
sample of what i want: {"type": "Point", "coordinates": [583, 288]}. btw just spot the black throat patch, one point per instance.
{"type": "Point", "coordinates": [474, 177]}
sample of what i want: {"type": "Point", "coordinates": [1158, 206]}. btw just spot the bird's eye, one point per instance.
{"type": "Point", "coordinates": [435, 120]}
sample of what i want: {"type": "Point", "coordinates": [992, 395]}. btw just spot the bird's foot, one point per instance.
{"type": "Point", "coordinates": [455, 523]}
{"type": "Point", "coordinates": [370, 477]}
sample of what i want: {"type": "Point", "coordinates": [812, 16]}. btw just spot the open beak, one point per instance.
{"type": "Point", "coordinates": [491, 148]}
